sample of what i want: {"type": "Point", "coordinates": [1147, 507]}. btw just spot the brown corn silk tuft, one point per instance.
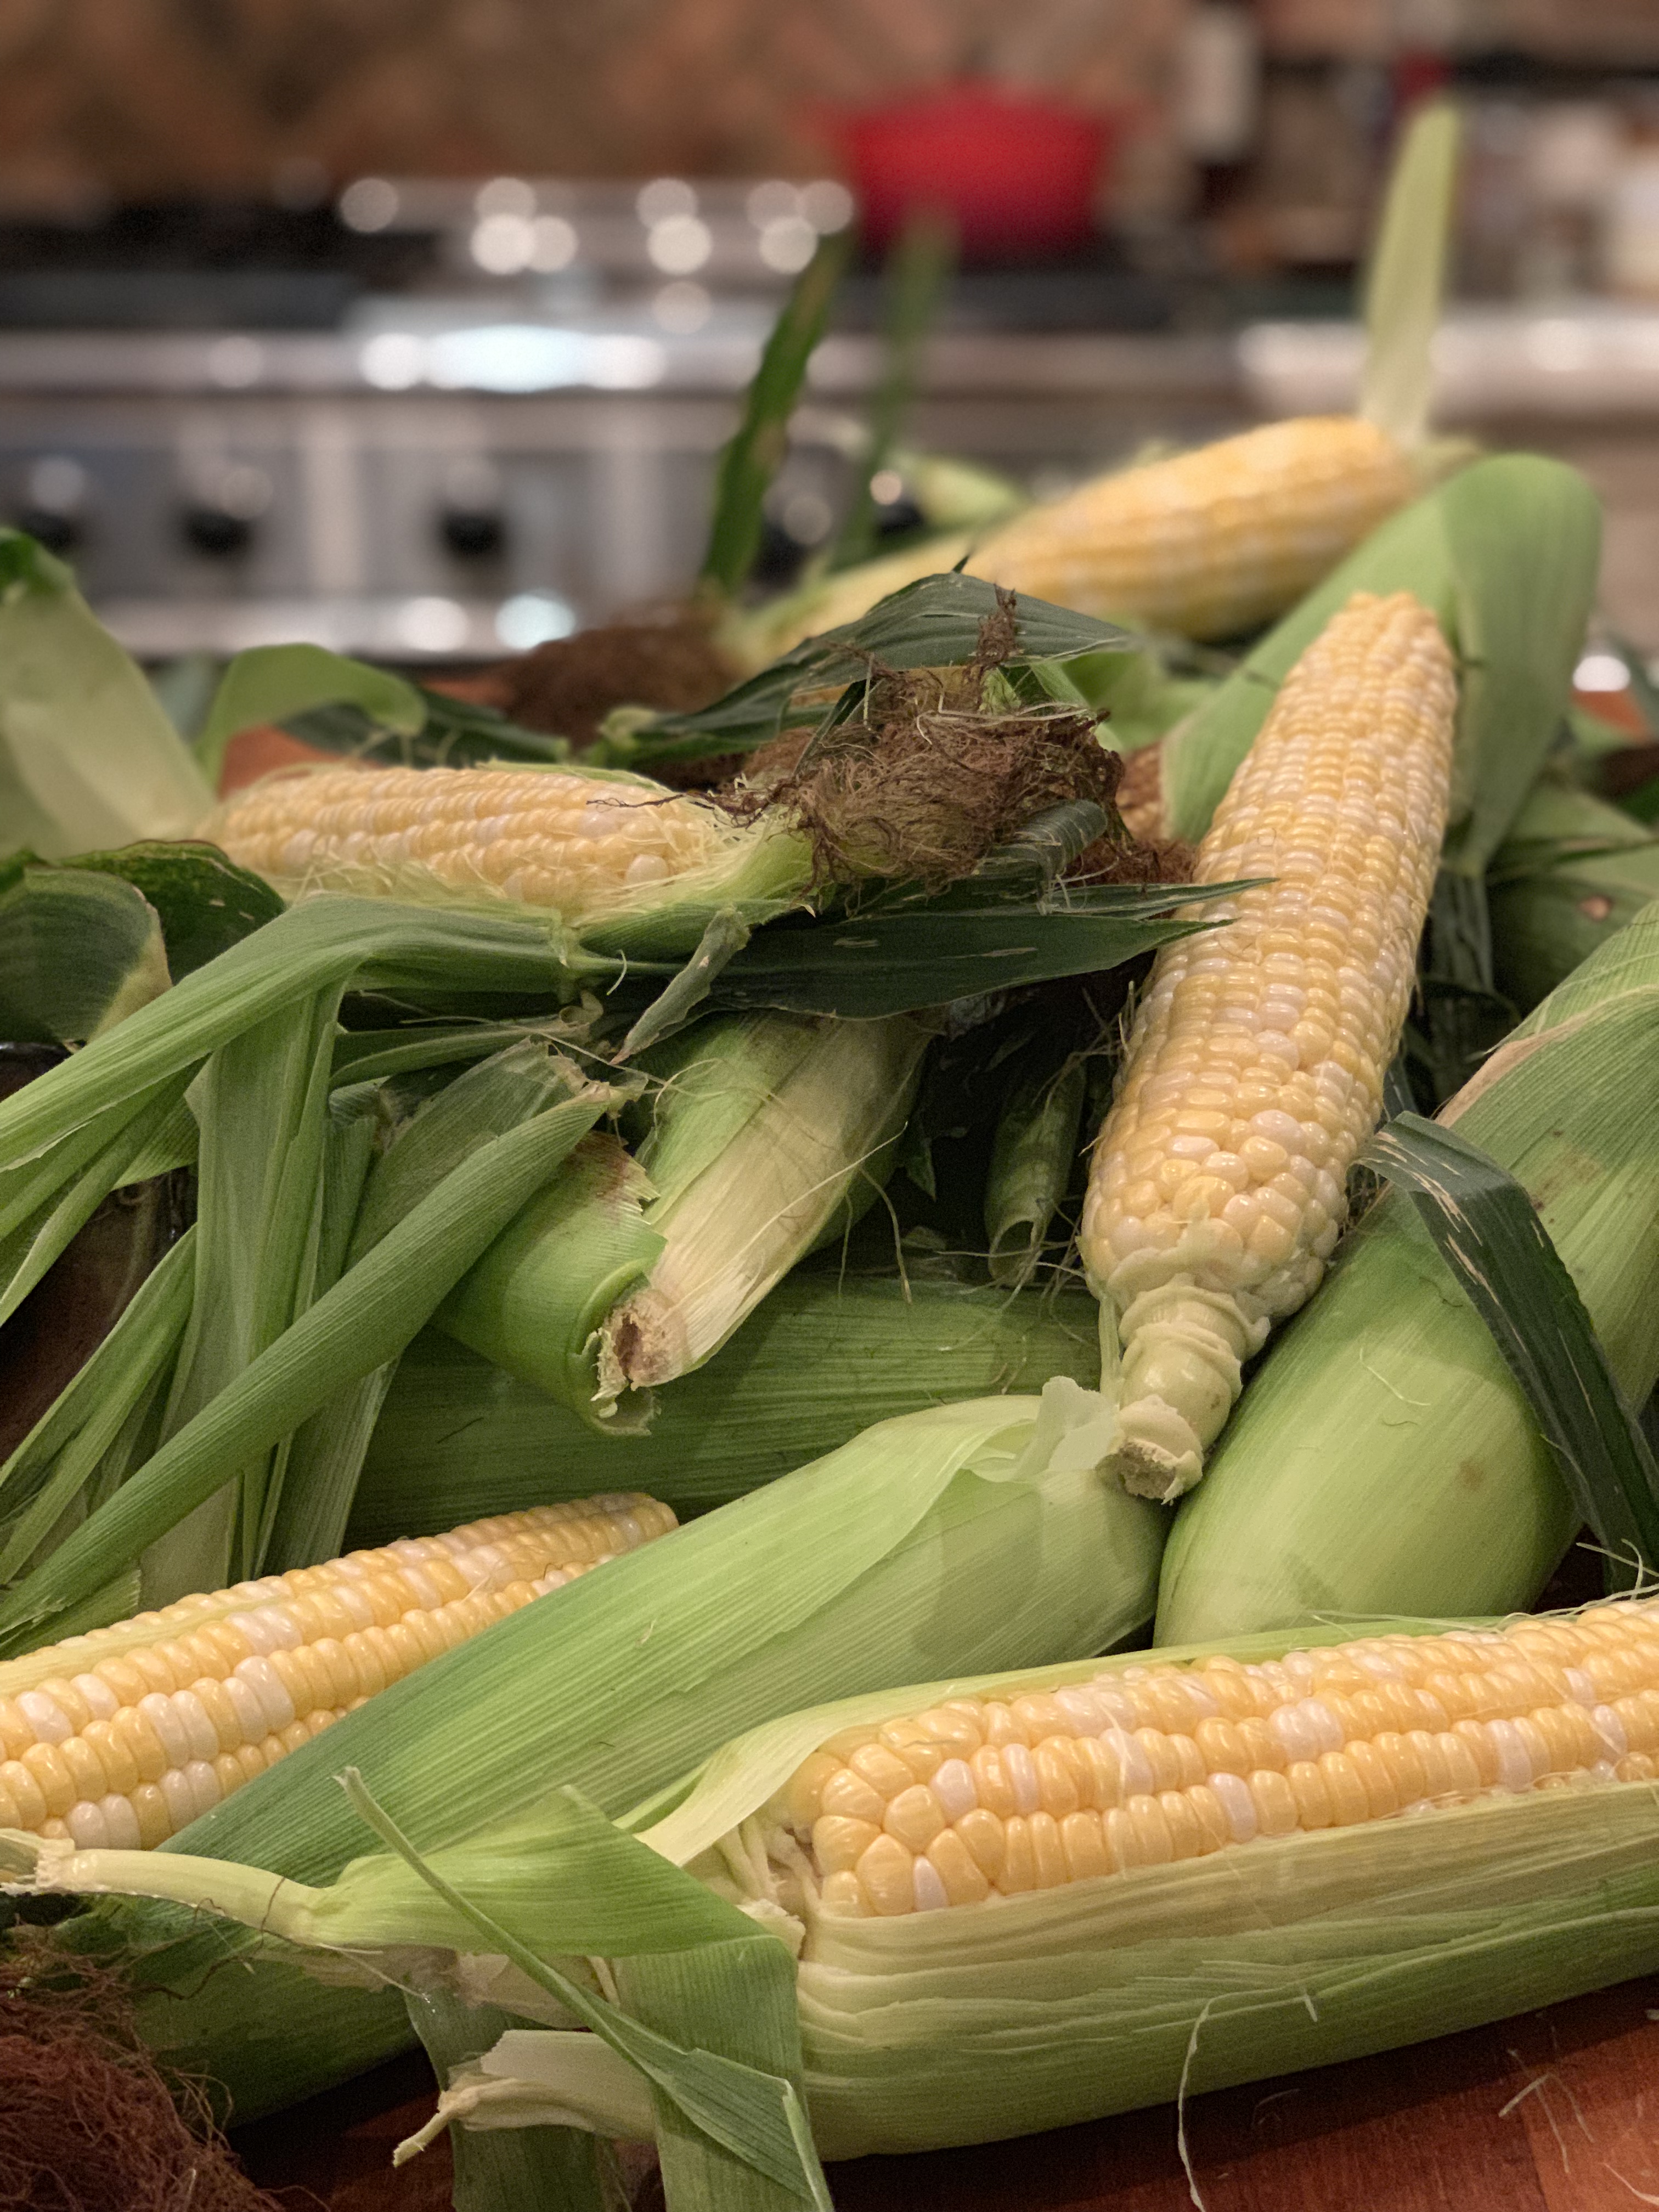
{"type": "Point", "coordinates": [87, 2123]}
{"type": "Point", "coordinates": [928, 777]}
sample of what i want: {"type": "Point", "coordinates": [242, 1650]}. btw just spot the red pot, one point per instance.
{"type": "Point", "coordinates": [1016, 176]}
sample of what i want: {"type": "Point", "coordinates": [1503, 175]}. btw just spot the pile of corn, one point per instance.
{"type": "Point", "coordinates": [695, 1363]}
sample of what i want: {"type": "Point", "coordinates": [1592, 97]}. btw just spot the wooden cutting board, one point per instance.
{"type": "Point", "coordinates": [1554, 2111]}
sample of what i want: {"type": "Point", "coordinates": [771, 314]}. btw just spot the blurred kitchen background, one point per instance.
{"type": "Point", "coordinates": [414, 327]}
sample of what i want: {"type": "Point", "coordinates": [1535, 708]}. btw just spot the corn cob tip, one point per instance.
{"type": "Point", "coordinates": [1189, 1346]}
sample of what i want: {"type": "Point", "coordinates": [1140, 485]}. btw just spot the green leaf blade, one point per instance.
{"type": "Point", "coordinates": [749, 462]}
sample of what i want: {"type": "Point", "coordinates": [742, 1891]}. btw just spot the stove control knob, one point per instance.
{"type": "Point", "coordinates": [56, 496]}
{"type": "Point", "coordinates": [220, 514]}
{"type": "Point", "coordinates": [472, 533]}
{"type": "Point", "coordinates": [213, 529]}
{"type": "Point", "coordinates": [471, 519]}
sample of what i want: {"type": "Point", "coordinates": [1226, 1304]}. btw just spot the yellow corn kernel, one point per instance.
{"type": "Point", "coordinates": [957, 1868]}
{"type": "Point", "coordinates": [885, 1772]}
{"type": "Point", "coordinates": [1057, 1777]}
{"type": "Point", "coordinates": [915, 1816]}
{"type": "Point", "coordinates": [1083, 1843]}
{"type": "Point", "coordinates": [886, 1874]}
{"type": "Point", "coordinates": [154, 1816]}
{"type": "Point", "coordinates": [1048, 1853]}
{"type": "Point", "coordinates": [1020, 1859]}
{"type": "Point", "coordinates": [986, 1838]}
{"type": "Point", "coordinates": [838, 1843]}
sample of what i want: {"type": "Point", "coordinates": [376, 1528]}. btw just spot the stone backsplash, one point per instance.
{"type": "Point", "coordinates": [145, 97]}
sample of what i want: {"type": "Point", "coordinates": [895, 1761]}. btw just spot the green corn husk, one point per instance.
{"type": "Point", "coordinates": [981, 2022]}
{"type": "Point", "coordinates": [699, 1985]}
{"type": "Point", "coordinates": [632, 1271]}
{"type": "Point", "coordinates": [359, 1325]}
{"type": "Point", "coordinates": [1572, 872]}
{"type": "Point", "coordinates": [820, 1359]}
{"type": "Point", "coordinates": [1032, 1157]}
{"type": "Point", "coordinates": [967, 1536]}
{"type": "Point", "coordinates": [78, 953]}
{"type": "Point", "coordinates": [87, 757]}
{"type": "Point", "coordinates": [1381, 1457]}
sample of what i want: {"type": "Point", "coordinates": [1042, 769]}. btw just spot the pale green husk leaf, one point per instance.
{"type": "Point", "coordinates": [818, 1361]}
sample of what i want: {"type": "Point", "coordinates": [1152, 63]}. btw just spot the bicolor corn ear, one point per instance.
{"type": "Point", "coordinates": [1254, 1071]}
{"type": "Point", "coordinates": [131, 1733]}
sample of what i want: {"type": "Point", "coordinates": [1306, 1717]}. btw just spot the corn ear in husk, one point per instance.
{"type": "Point", "coordinates": [1572, 871]}
{"type": "Point", "coordinates": [821, 1358]}
{"type": "Point", "coordinates": [1383, 1458]}
{"type": "Point", "coordinates": [985, 2022]}
{"type": "Point", "coordinates": [636, 1269]}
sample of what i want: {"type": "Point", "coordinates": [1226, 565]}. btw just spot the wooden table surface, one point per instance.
{"type": "Point", "coordinates": [1554, 2111]}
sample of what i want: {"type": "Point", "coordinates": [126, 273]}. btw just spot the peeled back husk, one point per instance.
{"type": "Point", "coordinates": [1382, 1459]}
{"type": "Point", "coordinates": [966, 1536]}
{"type": "Point", "coordinates": [632, 1270]}
{"type": "Point", "coordinates": [818, 1361]}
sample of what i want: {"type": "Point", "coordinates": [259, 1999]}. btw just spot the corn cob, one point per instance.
{"type": "Point", "coordinates": [1214, 542]}
{"type": "Point", "coordinates": [986, 1798]}
{"type": "Point", "coordinates": [631, 1271]}
{"type": "Point", "coordinates": [588, 847]}
{"type": "Point", "coordinates": [1207, 543]}
{"type": "Point", "coordinates": [125, 1736]}
{"type": "Point", "coordinates": [1254, 1070]}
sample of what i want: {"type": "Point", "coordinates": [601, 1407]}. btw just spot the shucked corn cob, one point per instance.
{"type": "Point", "coordinates": [1213, 542]}
{"type": "Point", "coordinates": [1255, 1069]}
{"type": "Point", "coordinates": [1207, 543]}
{"type": "Point", "coordinates": [588, 847]}
{"type": "Point", "coordinates": [121, 1737]}
{"type": "Point", "coordinates": [984, 1798]}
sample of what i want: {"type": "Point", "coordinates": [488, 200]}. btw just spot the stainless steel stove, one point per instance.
{"type": "Point", "coordinates": [503, 420]}
{"type": "Point", "coordinates": [518, 439]}
{"type": "Point", "coordinates": [449, 483]}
